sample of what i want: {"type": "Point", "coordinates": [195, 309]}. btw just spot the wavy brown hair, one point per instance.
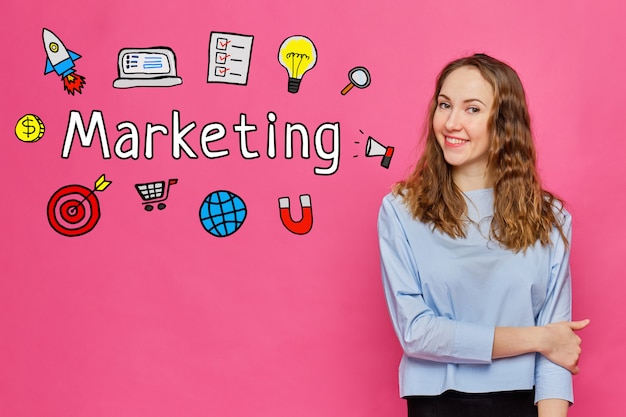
{"type": "Point", "coordinates": [524, 212]}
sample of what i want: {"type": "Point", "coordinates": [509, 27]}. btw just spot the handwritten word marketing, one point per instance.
{"type": "Point", "coordinates": [128, 143]}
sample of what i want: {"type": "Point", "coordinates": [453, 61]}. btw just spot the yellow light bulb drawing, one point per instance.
{"type": "Point", "coordinates": [298, 55]}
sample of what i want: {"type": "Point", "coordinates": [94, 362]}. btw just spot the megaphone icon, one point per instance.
{"type": "Point", "coordinates": [373, 148]}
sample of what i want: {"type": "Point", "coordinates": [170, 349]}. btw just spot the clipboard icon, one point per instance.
{"type": "Point", "coordinates": [229, 58]}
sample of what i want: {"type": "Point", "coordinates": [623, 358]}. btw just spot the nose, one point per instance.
{"type": "Point", "coordinates": [453, 122]}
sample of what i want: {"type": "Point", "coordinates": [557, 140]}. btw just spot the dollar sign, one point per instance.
{"type": "Point", "coordinates": [27, 125]}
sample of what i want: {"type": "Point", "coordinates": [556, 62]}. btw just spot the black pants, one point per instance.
{"type": "Point", "coordinates": [460, 404]}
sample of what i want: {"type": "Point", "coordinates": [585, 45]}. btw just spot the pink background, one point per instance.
{"type": "Point", "coordinates": [149, 315]}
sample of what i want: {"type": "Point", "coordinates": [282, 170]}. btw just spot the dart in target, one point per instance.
{"type": "Point", "coordinates": [74, 210]}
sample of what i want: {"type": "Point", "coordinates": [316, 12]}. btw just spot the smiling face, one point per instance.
{"type": "Point", "coordinates": [461, 125]}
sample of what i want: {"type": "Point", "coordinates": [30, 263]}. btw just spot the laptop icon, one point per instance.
{"type": "Point", "coordinates": [146, 67]}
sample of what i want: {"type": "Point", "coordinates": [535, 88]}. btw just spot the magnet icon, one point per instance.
{"type": "Point", "coordinates": [302, 226]}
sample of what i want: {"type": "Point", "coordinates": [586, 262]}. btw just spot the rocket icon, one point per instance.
{"type": "Point", "coordinates": [61, 60]}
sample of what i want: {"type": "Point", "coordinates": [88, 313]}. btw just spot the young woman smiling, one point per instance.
{"type": "Point", "coordinates": [475, 259]}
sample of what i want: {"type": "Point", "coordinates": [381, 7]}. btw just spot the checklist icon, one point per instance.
{"type": "Point", "coordinates": [229, 58]}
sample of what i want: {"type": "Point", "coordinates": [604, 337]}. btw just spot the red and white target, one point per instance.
{"type": "Point", "coordinates": [73, 210]}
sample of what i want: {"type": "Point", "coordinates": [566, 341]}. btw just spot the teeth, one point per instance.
{"type": "Point", "coordinates": [455, 141]}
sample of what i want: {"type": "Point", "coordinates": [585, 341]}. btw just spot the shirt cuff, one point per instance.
{"type": "Point", "coordinates": [473, 342]}
{"type": "Point", "coordinates": [552, 381]}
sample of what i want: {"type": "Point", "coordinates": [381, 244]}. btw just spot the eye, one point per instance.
{"type": "Point", "coordinates": [443, 105]}
{"type": "Point", "coordinates": [473, 110]}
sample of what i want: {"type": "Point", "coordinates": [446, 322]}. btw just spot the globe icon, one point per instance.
{"type": "Point", "coordinates": [222, 213]}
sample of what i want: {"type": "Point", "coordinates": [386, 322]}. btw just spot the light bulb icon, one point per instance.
{"type": "Point", "coordinates": [298, 55]}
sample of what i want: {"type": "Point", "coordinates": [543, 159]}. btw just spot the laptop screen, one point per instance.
{"type": "Point", "coordinates": [146, 67]}
{"type": "Point", "coordinates": [145, 63]}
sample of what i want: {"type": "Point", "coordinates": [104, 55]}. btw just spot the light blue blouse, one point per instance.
{"type": "Point", "coordinates": [446, 296]}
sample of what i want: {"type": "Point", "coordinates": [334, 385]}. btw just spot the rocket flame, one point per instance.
{"type": "Point", "coordinates": [73, 82]}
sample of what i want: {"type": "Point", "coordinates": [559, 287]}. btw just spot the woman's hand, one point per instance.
{"type": "Point", "coordinates": [561, 344]}
{"type": "Point", "coordinates": [558, 342]}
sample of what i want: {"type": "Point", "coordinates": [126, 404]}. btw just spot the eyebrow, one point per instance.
{"type": "Point", "coordinates": [469, 100]}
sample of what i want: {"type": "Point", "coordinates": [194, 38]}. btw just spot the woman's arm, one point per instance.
{"type": "Point", "coordinates": [555, 341]}
{"type": "Point", "coordinates": [552, 407]}
{"type": "Point", "coordinates": [552, 379]}
{"type": "Point", "coordinates": [421, 332]}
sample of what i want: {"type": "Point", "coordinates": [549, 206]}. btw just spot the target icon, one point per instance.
{"type": "Point", "coordinates": [74, 210]}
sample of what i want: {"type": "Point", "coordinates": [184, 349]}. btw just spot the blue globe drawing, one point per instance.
{"type": "Point", "coordinates": [222, 213]}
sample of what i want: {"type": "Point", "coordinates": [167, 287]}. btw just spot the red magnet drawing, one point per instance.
{"type": "Point", "coordinates": [74, 210]}
{"type": "Point", "coordinates": [302, 226]}
{"type": "Point", "coordinates": [61, 60]}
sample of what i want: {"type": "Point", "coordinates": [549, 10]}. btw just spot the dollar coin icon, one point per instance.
{"type": "Point", "coordinates": [29, 128]}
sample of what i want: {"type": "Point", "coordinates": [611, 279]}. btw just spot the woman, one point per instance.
{"type": "Point", "coordinates": [475, 259]}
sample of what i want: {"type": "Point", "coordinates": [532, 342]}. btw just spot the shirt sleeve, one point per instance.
{"type": "Point", "coordinates": [421, 332]}
{"type": "Point", "coordinates": [552, 380]}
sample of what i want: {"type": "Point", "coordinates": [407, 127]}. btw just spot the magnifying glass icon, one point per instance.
{"type": "Point", "coordinates": [359, 77]}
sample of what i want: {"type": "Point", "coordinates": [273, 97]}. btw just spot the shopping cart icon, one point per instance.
{"type": "Point", "coordinates": [155, 192]}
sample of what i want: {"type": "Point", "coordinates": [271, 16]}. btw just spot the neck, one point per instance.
{"type": "Point", "coordinates": [469, 181]}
